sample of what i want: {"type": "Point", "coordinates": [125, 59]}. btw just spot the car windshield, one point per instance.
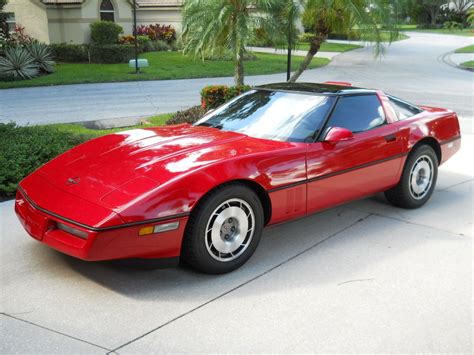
{"type": "Point", "coordinates": [272, 115]}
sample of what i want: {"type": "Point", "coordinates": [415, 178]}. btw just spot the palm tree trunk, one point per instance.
{"type": "Point", "coordinates": [314, 46]}
{"type": "Point", "coordinates": [239, 67]}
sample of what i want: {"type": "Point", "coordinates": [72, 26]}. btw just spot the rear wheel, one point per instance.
{"type": "Point", "coordinates": [418, 179]}
{"type": "Point", "coordinates": [224, 230]}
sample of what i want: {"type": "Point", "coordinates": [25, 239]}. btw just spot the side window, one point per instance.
{"type": "Point", "coordinates": [358, 113]}
{"type": "Point", "coordinates": [403, 109]}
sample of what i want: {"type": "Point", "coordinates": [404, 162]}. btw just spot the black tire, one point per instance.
{"type": "Point", "coordinates": [198, 250]}
{"type": "Point", "coordinates": [405, 194]}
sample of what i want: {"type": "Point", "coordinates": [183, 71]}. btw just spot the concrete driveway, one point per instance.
{"type": "Point", "coordinates": [364, 277]}
{"type": "Point", "coordinates": [412, 69]}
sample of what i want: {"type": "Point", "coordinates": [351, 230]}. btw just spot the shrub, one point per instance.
{"type": "Point", "coordinates": [42, 56]}
{"type": "Point", "coordinates": [215, 95]}
{"type": "Point", "coordinates": [305, 37]}
{"type": "Point", "coordinates": [17, 64]}
{"type": "Point", "coordinates": [105, 32]}
{"type": "Point", "coordinates": [112, 53]}
{"type": "Point", "coordinates": [19, 37]}
{"type": "Point", "coordinates": [452, 25]}
{"type": "Point", "coordinates": [130, 39]}
{"type": "Point", "coordinates": [189, 115]}
{"type": "Point", "coordinates": [158, 32]}
{"type": "Point", "coordinates": [160, 45]}
{"type": "Point", "coordinates": [24, 149]}
{"type": "Point", "coordinates": [72, 53]}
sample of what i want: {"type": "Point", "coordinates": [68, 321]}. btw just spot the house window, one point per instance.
{"type": "Point", "coordinates": [107, 11]}
{"type": "Point", "coordinates": [11, 21]}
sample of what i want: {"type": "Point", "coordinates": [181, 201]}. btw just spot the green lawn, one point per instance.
{"type": "Point", "coordinates": [163, 65]}
{"type": "Point", "coordinates": [468, 49]}
{"type": "Point", "coordinates": [469, 64]}
{"type": "Point", "coordinates": [330, 47]}
{"type": "Point", "coordinates": [463, 32]}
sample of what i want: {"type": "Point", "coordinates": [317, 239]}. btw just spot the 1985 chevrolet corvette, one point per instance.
{"type": "Point", "coordinates": [204, 192]}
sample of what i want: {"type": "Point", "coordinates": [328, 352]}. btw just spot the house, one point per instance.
{"type": "Point", "coordinates": [67, 21]}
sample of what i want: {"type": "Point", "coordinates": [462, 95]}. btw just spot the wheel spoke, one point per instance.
{"type": "Point", "coordinates": [230, 230]}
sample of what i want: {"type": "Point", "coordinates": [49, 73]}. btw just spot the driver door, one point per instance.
{"type": "Point", "coordinates": [368, 163]}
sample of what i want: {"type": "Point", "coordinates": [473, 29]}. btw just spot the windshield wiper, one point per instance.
{"type": "Point", "coordinates": [208, 124]}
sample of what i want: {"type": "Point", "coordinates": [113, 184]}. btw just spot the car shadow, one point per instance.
{"type": "Point", "coordinates": [280, 245]}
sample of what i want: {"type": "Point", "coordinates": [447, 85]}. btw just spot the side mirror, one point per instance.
{"type": "Point", "coordinates": [338, 134]}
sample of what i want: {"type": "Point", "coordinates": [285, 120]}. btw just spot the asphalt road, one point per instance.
{"type": "Point", "coordinates": [413, 69]}
{"type": "Point", "coordinates": [363, 277]}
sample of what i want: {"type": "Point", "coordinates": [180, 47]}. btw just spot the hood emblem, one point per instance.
{"type": "Point", "coordinates": [73, 181]}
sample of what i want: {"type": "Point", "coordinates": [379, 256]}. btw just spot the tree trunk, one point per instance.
{"type": "Point", "coordinates": [239, 67]}
{"type": "Point", "coordinates": [433, 15]}
{"type": "Point", "coordinates": [315, 44]}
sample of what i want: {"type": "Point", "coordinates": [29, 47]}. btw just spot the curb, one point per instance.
{"type": "Point", "coordinates": [446, 58]}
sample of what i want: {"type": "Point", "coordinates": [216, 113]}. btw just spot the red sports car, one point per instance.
{"type": "Point", "coordinates": [204, 192]}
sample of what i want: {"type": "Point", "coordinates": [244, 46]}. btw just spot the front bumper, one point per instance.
{"type": "Point", "coordinates": [118, 242]}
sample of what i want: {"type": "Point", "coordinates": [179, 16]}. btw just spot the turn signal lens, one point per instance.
{"type": "Point", "coordinates": [160, 228]}
{"type": "Point", "coordinates": [145, 230]}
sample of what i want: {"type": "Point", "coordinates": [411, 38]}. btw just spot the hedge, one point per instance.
{"type": "Point", "coordinates": [24, 149]}
{"type": "Point", "coordinates": [83, 53]}
{"type": "Point", "coordinates": [105, 32]}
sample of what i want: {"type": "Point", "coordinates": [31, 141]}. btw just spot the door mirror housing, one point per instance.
{"type": "Point", "coordinates": [338, 134]}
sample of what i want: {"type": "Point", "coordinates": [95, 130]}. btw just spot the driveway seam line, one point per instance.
{"type": "Point", "coordinates": [459, 183]}
{"type": "Point", "coordinates": [242, 284]}
{"type": "Point", "coordinates": [54, 331]}
{"type": "Point", "coordinates": [409, 222]}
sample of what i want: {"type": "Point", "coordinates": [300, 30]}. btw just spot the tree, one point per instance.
{"type": "Point", "coordinates": [322, 17]}
{"type": "Point", "coordinates": [433, 8]}
{"type": "Point", "coordinates": [224, 26]}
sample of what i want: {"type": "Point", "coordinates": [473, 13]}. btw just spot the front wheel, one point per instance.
{"type": "Point", "coordinates": [418, 179]}
{"type": "Point", "coordinates": [224, 230]}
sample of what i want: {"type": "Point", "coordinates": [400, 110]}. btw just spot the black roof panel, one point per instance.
{"type": "Point", "coordinates": [314, 88]}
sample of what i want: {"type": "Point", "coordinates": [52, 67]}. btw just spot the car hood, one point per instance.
{"type": "Point", "coordinates": [135, 161]}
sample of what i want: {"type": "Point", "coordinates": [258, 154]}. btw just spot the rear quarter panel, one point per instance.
{"type": "Point", "coordinates": [439, 124]}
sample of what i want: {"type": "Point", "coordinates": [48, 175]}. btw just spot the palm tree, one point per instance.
{"type": "Point", "coordinates": [287, 14]}
{"type": "Point", "coordinates": [322, 17]}
{"type": "Point", "coordinates": [211, 26]}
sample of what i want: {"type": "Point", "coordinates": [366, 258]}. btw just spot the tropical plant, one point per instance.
{"type": "Point", "coordinates": [17, 64]}
{"type": "Point", "coordinates": [322, 17]}
{"type": "Point", "coordinates": [470, 16]}
{"type": "Point", "coordinates": [159, 32]}
{"type": "Point", "coordinates": [42, 56]}
{"type": "Point", "coordinates": [215, 27]}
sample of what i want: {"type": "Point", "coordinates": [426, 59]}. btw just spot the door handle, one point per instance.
{"type": "Point", "coordinates": [390, 138]}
